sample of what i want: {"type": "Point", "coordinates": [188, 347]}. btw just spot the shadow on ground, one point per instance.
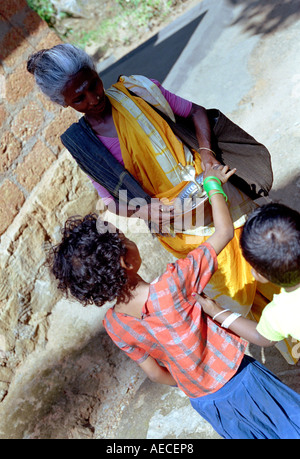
{"type": "Point", "coordinates": [289, 193]}
{"type": "Point", "coordinates": [154, 58]}
{"type": "Point", "coordinates": [265, 17]}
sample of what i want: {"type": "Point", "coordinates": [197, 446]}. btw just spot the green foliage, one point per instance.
{"type": "Point", "coordinates": [150, 4]}
{"type": "Point", "coordinates": [44, 9]}
{"type": "Point", "coordinates": [134, 4]}
{"type": "Point", "coordinates": [122, 24]}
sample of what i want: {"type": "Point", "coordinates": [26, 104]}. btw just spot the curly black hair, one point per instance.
{"type": "Point", "coordinates": [87, 264]}
{"type": "Point", "coordinates": [270, 242]}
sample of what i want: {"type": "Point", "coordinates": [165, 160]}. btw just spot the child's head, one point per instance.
{"type": "Point", "coordinates": [89, 263]}
{"type": "Point", "coordinates": [271, 244]}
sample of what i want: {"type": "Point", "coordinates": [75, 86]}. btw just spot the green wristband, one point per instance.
{"type": "Point", "coordinates": [209, 185]}
{"type": "Point", "coordinates": [212, 183]}
{"type": "Point", "coordinates": [217, 192]}
{"type": "Point", "coordinates": [212, 177]}
{"type": "Point", "coordinates": [212, 186]}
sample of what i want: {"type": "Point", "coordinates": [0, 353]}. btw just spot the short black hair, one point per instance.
{"type": "Point", "coordinates": [270, 242]}
{"type": "Point", "coordinates": [87, 263]}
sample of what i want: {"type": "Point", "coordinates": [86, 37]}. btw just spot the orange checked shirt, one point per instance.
{"type": "Point", "coordinates": [200, 355]}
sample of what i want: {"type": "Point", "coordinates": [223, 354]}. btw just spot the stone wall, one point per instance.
{"type": "Point", "coordinates": [40, 187]}
{"type": "Point", "coordinates": [60, 377]}
{"type": "Point", "coordinates": [29, 202]}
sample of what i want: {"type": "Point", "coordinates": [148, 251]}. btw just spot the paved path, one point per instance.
{"type": "Point", "coordinates": [242, 57]}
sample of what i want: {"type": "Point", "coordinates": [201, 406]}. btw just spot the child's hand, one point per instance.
{"type": "Point", "coordinates": [221, 172]}
{"type": "Point", "coordinates": [209, 306]}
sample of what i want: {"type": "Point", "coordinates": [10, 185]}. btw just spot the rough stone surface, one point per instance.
{"type": "Point", "coordinates": [27, 122]}
{"type": "Point", "coordinates": [11, 201]}
{"type": "Point", "coordinates": [10, 148]}
{"type": "Point", "coordinates": [30, 171]}
{"type": "Point", "coordinates": [19, 84]}
{"type": "Point", "coordinates": [60, 375]}
{"type": "Point", "coordinates": [61, 122]}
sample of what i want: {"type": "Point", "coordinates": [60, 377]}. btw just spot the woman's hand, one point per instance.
{"type": "Point", "coordinates": [208, 160]}
{"type": "Point", "coordinates": [223, 173]}
{"type": "Point", "coordinates": [159, 214]}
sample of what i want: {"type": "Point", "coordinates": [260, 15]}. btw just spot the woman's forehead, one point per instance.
{"type": "Point", "coordinates": [80, 81]}
{"type": "Point", "coordinates": [82, 86]}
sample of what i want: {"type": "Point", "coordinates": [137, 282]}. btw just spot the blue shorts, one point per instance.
{"type": "Point", "coordinates": [254, 404]}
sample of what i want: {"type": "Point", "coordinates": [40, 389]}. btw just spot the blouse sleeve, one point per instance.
{"type": "Point", "coordinates": [180, 106]}
{"type": "Point", "coordinates": [102, 192]}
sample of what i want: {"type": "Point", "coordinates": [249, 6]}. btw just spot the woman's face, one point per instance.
{"type": "Point", "coordinates": [85, 93]}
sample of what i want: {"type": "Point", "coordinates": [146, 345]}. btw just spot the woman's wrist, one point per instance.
{"type": "Point", "coordinates": [206, 150]}
{"type": "Point", "coordinates": [208, 158]}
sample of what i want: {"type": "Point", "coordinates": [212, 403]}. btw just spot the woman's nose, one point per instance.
{"type": "Point", "coordinates": [93, 99]}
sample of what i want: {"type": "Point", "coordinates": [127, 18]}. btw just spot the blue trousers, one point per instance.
{"type": "Point", "coordinates": [254, 404]}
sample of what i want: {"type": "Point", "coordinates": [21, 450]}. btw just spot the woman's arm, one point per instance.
{"type": "Point", "coordinates": [157, 213]}
{"type": "Point", "coordinates": [203, 133]}
{"type": "Point", "coordinates": [157, 373]}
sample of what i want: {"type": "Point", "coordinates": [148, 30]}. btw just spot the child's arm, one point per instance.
{"type": "Point", "coordinates": [224, 230]}
{"type": "Point", "coordinates": [245, 328]}
{"type": "Point", "coordinates": [157, 373]}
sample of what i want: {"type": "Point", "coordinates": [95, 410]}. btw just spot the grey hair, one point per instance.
{"type": "Point", "coordinates": [54, 67]}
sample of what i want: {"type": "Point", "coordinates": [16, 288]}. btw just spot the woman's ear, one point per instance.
{"type": "Point", "coordinates": [259, 277]}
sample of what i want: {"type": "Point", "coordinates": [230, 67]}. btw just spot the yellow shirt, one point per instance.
{"type": "Point", "coordinates": [281, 317]}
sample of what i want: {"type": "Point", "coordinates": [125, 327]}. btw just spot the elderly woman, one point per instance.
{"type": "Point", "coordinates": [130, 139]}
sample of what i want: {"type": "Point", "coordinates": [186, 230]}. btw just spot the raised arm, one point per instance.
{"type": "Point", "coordinates": [224, 230]}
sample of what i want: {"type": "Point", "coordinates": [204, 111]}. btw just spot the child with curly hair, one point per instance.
{"type": "Point", "coordinates": [161, 326]}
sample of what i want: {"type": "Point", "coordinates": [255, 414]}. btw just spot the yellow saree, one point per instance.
{"type": "Point", "coordinates": [151, 153]}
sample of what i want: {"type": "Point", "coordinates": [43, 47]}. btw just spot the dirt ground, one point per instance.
{"type": "Point", "coordinates": [123, 39]}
